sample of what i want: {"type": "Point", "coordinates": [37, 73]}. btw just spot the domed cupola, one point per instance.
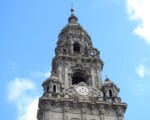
{"type": "Point", "coordinates": [74, 53]}
{"type": "Point", "coordinates": [74, 37]}
{"type": "Point", "coordinates": [51, 86]}
{"type": "Point", "coordinates": [72, 18]}
{"type": "Point", "coordinates": [110, 91]}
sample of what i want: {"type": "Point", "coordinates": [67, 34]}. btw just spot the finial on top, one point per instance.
{"type": "Point", "coordinates": [72, 10]}
{"type": "Point", "coordinates": [106, 79]}
{"type": "Point", "coordinates": [106, 76]}
{"type": "Point", "coordinates": [72, 18]}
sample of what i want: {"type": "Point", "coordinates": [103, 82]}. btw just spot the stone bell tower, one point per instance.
{"type": "Point", "coordinates": [74, 90]}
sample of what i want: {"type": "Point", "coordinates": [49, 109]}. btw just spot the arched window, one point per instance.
{"type": "Point", "coordinates": [76, 47]}
{"type": "Point", "coordinates": [47, 89]}
{"type": "Point", "coordinates": [79, 77]}
{"type": "Point", "coordinates": [104, 94]}
{"type": "Point", "coordinates": [110, 93]}
{"type": "Point", "coordinates": [64, 50]}
{"type": "Point", "coordinates": [54, 88]}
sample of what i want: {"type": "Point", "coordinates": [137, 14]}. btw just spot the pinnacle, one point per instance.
{"type": "Point", "coordinates": [72, 18]}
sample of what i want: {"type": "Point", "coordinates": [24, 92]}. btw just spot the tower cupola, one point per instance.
{"type": "Point", "coordinates": [110, 91]}
{"type": "Point", "coordinates": [72, 18]}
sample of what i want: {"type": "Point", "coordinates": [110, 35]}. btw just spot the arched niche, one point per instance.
{"type": "Point", "coordinates": [76, 47]}
{"type": "Point", "coordinates": [79, 76]}
{"type": "Point", "coordinates": [62, 50]}
{"type": "Point", "coordinates": [110, 93]}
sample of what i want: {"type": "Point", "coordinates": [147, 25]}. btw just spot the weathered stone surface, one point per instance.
{"type": "Point", "coordinates": [75, 91]}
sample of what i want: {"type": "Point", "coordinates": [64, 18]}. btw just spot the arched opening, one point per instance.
{"type": "Point", "coordinates": [47, 89]}
{"type": "Point", "coordinates": [104, 94]}
{"type": "Point", "coordinates": [54, 88]}
{"type": "Point", "coordinates": [76, 47]}
{"type": "Point", "coordinates": [79, 77]}
{"type": "Point", "coordinates": [64, 50]}
{"type": "Point", "coordinates": [110, 93]}
{"type": "Point", "coordinates": [54, 91]}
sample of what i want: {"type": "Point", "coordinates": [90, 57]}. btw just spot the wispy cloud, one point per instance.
{"type": "Point", "coordinates": [30, 112]}
{"type": "Point", "coordinates": [138, 10]}
{"type": "Point", "coordinates": [21, 92]}
{"type": "Point", "coordinates": [40, 74]}
{"type": "Point", "coordinates": [18, 86]}
{"type": "Point", "coordinates": [142, 71]}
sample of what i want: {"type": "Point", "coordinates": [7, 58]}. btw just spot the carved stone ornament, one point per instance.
{"type": "Point", "coordinates": [109, 110]}
{"type": "Point", "coordinates": [120, 111]}
{"type": "Point", "coordinates": [101, 108]}
{"type": "Point", "coordinates": [82, 92]}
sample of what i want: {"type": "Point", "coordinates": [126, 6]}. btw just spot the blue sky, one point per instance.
{"type": "Point", "coordinates": [28, 34]}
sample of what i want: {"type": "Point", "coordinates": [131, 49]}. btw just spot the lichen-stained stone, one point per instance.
{"type": "Point", "coordinates": [75, 91]}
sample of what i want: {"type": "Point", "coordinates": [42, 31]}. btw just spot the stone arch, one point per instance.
{"type": "Point", "coordinates": [79, 76]}
{"type": "Point", "coordinates": [76, 47]}
{"type": "Point", "coordinates": [110, 93]}
{"type": "Point", "coordinates": [62, 50]}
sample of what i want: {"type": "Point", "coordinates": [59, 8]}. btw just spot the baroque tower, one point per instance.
{"type": "Point", "coordinates": [74, 90]}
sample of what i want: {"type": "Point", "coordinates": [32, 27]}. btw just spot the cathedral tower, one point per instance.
{"type": "Point", "coordinates": [74, 90]}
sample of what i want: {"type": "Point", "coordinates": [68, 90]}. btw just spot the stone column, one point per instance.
{"type": "Point", "coordinates": [66, 76]}
{"type": "Point", "coordinates": [65, 116]}
{"type": "Point", "coordinates": [120, 113]}
{"type": "Point", "coordinates": [84, 115]}
{"type": "Point", "coordinates": [102, 112]}
{"type": "Point", "coordinates": [70, 79]}
{"type": "Point", "coordinates": [120, 117]}
{"type": "Point", "coordinates": [59, 73]}
{"type": "Point", "coordinates": [43, 115]}
{"type": "Point", "coordinates": [71, 47]}
{"type": "Point", "coordinates": [99, 77]}
{"type": "Point", "coordinates": [93, 78]}
{"type": "Point", "coordinates": [101, 115]}
{"type": "Point", "coordinates": [65, 111]}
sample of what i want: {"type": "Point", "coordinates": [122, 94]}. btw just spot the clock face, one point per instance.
{"type": "Point", "coordinates": [82, 90]}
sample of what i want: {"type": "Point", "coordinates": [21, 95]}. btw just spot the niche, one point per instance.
{"type": "Point", "coordinates": [79, 77]}
{"type": "Point", "coordinates": [76, 47]}
{"type": "Point", "coordinates": [47, 89]}
{"type": "Point", "coordinates": [110, 93]}
{"type": "Point", "coordinates": [54, 88]}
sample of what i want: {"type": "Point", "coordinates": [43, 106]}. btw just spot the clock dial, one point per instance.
{"type": "Point", "coordinates": [82, 90]}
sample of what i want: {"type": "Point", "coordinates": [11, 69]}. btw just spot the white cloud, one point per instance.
{"type": "Point", "coordinates": [142, 71]}
{"type": "Point", "coordinates": [138, 10]}
{"type": "Point", "coordinates": [40, 74]}
{"type": "Point", "coordinates": [22, 93]}
{"type": "Point", "coordinates": [30, 112]}
{"type": "Point", "coordinates": [17, 87]}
